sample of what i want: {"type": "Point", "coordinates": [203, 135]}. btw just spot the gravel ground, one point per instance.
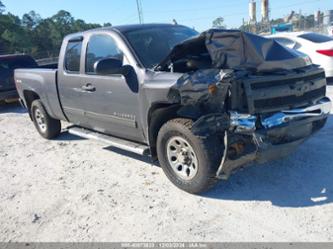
{"type": "Point", "coordinates": [73, 189]}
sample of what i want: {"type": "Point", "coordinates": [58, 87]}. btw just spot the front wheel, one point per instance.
{"type": "Point", "coordinates": [46, 126]}
{"type": "Point", "coordinates": [190, 162]}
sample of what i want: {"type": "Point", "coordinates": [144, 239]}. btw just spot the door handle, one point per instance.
{"type": "Point", "coordinates": [89, 88]}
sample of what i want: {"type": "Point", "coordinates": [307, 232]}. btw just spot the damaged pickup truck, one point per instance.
{"type": "Point", "coordinates": [204, 104]}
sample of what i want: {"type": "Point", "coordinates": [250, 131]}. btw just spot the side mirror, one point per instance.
{"type": "Point", "coordinates": [110, 66]}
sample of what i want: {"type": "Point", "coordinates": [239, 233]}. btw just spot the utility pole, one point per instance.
{"type": "Point", "coordinates": [140, 12]}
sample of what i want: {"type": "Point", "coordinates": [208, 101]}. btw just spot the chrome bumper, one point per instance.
{"type": "Point", "coordinates": [322, 108]}
{"type": "Point", "coordinates": [245, 123]}
{"type": "Point", "coordinates": [260, 128]}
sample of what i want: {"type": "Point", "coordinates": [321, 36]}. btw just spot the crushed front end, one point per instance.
{"type": "Point", "coordinates": [258, 117]}
{"type": "Point", "coordinates": [272, 114]}
{"type": "Point", "coordinates": [261, 99]}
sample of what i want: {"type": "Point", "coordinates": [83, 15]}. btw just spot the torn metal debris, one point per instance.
{"type": "Point", "coordinates": [232, 49]}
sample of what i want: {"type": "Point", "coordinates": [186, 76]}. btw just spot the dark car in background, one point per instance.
{"type": "Point", "coordinates": [8, 63]}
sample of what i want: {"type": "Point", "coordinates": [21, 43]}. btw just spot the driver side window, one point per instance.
{"type": "Point", "coordinates": [101, 47]}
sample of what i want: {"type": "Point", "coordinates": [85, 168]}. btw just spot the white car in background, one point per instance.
{"type": "Point", "coordinates": [317, 46]}
{"type": "Point", "coordinates": [330, 30]}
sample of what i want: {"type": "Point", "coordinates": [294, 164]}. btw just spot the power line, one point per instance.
{"type": "Point", "coordinates": [140, 12]}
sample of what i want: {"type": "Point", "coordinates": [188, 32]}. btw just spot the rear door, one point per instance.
{"type": "Point", "coordinates": [71, 92]}
{"type": "Point", "coordinates": [113, 106]}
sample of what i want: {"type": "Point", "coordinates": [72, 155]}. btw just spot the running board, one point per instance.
{"type": "Point", "coordinates": [110, 140]}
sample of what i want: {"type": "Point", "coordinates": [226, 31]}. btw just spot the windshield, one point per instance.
{"type": "Point", "coordinates": [316, 38]}
{"type": "Point", "coordinates": [154, 44]}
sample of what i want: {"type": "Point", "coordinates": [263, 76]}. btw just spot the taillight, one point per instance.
{"type": "Point", "coordinates": [326, 52]}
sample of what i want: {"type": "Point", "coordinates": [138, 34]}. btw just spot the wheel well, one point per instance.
{"type": "Point", "coordinates": [29, 97]}
{"type": "Point", "coordinates": [159, 114]}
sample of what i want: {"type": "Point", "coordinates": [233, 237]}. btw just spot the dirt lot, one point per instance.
{"type": "Point", "coordinates": [72, 189]}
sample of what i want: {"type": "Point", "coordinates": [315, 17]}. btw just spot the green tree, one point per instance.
{"type": "Point", "coordinates": [80, 25]}
{"type": "Point", "coordinates": [43, 39]}
{"type": "Point", "coordinates": [2, 8]}
{"type": "Point", "coordinates": [36, 36]}
{"type": "Point", "coordinates": [62, 25]}
{"type": "Point", "coordinates": [63, 18]}
{"type": "Point", "coordinates": [13, 37]}
{"type": "Point", "coordinates": [31, 20]}
{"type": "Point", "coordinates": [107, 24]}
{"type": "Point", "coordinates": [218, 23]}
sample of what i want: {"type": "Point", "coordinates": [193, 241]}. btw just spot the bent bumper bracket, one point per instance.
{"type": "Point", "coordinates": [244, 124]}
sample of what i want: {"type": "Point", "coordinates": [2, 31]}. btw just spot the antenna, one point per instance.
{"type": "Point", "coordinates": [140, 12]}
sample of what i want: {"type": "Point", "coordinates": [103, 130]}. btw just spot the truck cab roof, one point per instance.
{"type": "Point", "coordinates": [128, 28]}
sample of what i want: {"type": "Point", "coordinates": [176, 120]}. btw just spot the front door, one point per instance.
{"type": "Point", "coordinates": [113, 106]}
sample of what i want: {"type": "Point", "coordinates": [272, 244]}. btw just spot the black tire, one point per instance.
{"type": "Point", "coordinates": [208, 152]}
{"type": "Point", "coordinates": [51, 127]}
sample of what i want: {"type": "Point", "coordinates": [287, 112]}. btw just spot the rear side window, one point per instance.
{"type": "Point", "coordinates": [316, 38]}
{"type": "Point", "coordinates": [101, 47]}
{"type": "Point", "coordinates": [73, 56]}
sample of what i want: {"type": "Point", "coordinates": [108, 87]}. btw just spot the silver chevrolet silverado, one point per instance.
{"type": "Point", "coordinates": [203, 104]}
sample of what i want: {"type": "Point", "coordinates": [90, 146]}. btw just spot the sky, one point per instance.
{"type": "Point", "coordinates": [193, 13]}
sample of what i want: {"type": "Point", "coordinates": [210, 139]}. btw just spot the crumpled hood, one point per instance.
{"type": "Point", "coordinates": [234, 49]}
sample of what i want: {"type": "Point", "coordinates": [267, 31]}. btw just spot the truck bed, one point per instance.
{"type": "Point", "coordinates": [42, 81]}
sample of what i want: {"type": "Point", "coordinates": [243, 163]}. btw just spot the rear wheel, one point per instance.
{"type": "Point", "coordinates": [190, 162]}
{"type": "Point", "coordinates": [46, 126]}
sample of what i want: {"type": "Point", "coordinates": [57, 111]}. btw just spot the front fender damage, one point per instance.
{"type": "Point", "coordinates": [203, 92]}
{"type": "Point", "coordinates": [203, 96]}
{"type": "Point", "coordinates": [215, 123]}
